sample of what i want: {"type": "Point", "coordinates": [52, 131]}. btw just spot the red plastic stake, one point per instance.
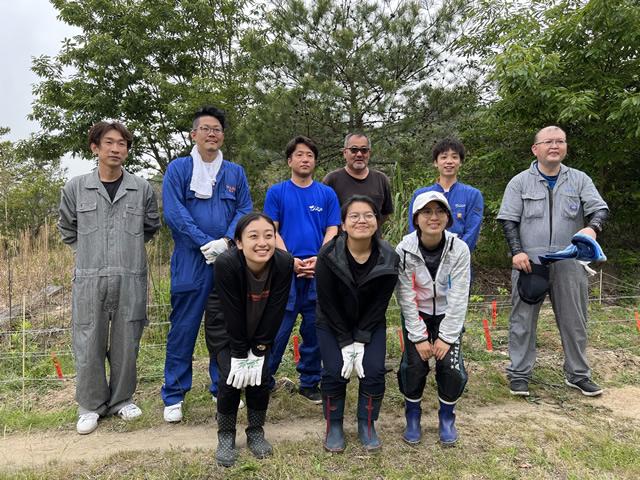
{"type": "Point", "coordinates": [487, 334]}
{"type": "Point", "coordinates": [57, 365]}
{"type": "Point", "coordinates": [296, 351]}
{"type": "Point", "coordinates": [638, 321]}
{"type": "Point", "coordinates": [494, 313]}
{"type": "Point", "coordinates": [401, 341]}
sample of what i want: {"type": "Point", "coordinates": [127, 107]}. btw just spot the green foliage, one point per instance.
{"type": "Point", "coordinates": [149, 64]}
{"type": "Point", "coordinates": [324, 69]}
{"type": "Point", "coordinates": [29, 188]}
{"type": "Point", "coordinates": [572, 63]}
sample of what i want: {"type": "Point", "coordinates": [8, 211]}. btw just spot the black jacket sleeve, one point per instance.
{"type": "Point", "coordinates": [328, 285]}
{"type": "Point", "coordinates": [512, 234]}
{"type": "Point", "coordinates": [271, 320]}
{"type": "Point", "coordinates": [231, 285]}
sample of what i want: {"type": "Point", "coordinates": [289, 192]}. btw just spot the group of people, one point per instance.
{"type": "Point", "coordinates": [316, 252]}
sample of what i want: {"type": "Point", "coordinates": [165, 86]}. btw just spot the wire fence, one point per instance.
{"type": "Point", "coordinates": [44, 354]}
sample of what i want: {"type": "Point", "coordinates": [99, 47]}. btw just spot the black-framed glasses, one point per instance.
{"type": "Point", "coordinates": [208, 130]}
{"type": "Point", "coordinates": [355, 150]}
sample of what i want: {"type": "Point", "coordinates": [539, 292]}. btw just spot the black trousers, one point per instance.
{"type": "Point", "coordinates": [257, 397]}
{"type": "Point", "coordinates": [451, 376]}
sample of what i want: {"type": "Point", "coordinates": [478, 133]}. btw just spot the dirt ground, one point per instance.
{"type": "Point", "coordinates": [37, 449]}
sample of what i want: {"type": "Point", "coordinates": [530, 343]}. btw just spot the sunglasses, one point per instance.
{"type": "Point", "coordinates": [355, 150]}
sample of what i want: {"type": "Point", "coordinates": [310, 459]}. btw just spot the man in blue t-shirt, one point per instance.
{"type": "Point", "coordinates": [467, 204]}
{"type": "Point", "coordinates": [307, 215]}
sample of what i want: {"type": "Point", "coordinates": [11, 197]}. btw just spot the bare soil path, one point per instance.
{"type": "Point", "coordinates": [40, 448]}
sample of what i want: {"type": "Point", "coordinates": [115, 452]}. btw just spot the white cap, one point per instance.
{"type": "Point", "coordinates": [432, 196]}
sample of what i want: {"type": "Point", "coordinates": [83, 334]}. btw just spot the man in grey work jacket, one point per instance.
{"type": "Point", "coordinates": [106, 217]}
{"type": "Point", "coordinates": [542, 208]}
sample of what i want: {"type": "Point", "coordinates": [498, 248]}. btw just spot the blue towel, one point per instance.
{"type": "Point", "coordinates": [582, 247]}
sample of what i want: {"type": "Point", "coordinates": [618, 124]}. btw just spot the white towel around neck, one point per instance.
{"type": "Point", "coordinates": [203, 179]}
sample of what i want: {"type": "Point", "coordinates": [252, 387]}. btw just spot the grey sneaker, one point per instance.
{"type": "Point", "coordinates": [519, 387]}
{"type": "Point", "coordinates": [311, 393]}
{"type": "Point", "coordinates": [586, 386]}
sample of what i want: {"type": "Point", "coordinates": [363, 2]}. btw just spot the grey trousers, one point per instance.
{"type": "Point", "coordinates": [569, 295]}
{"type": "Point", "coordinates": [108, 317]}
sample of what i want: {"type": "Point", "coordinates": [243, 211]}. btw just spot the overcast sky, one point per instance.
{"type": "Point", "coordinates": [28, 28]}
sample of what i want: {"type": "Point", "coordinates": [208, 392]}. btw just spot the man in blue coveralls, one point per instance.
{"type": "Point", "coordinates": [203, 197]}
{"type": "Point", "coordinates": [306, 215]}
{"type": "Point", "coordinates": [467, 204]}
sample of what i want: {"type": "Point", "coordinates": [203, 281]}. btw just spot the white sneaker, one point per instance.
{"type": "Point", "coordinates": [173, 413]}
{"type": "Point", "coordinates": [129, 412]}
{"type": "Point", "coordinates": [87, 423]}
{"type": "Point", "coordinates": [215, 400]}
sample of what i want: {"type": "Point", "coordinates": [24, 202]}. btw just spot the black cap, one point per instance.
{"type": "Point", "coordinates": [533, 286]}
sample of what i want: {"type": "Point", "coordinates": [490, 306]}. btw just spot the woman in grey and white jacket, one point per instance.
{"type": "Point", "coordinates": [433, 293]}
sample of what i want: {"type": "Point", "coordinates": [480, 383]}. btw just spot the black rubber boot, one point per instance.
{"type": "Point", "coordinates": [413, 412]}
{"type": "Point", "coordinates": [255, 434]}
{"type": "Point", "coordinates": [447, 426]}
{"type": "Point", "coordinates": [333, 409]}
{"type": "Point", "coordinates": [368, 410]}
{"type": "Point", "coordinates": [226, 453]}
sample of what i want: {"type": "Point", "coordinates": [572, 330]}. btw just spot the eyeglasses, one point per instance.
{"type": "Point", "coordinates": [355, 216]}
{"type": "Point", "coordinates": [548, 143]}
{"type": "Point", "coordinates": [440, 212]}
{"type": "Point", "coordinates": [355, 150]}
{"type": "Point", "coordinates": [207, 130]}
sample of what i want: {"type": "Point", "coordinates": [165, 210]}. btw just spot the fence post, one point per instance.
{"type": "Point", "coordinates": [600, 289]}
{"type": "Point", "coordinates": [24, 344]}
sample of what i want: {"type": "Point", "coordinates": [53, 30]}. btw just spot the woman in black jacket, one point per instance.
{"type": "Point", "coordinates": [252, 282]}
{"type": "Point", "coordinates": [356, 273]}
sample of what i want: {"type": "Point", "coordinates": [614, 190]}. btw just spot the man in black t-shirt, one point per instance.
{"type": "Point", "coordinates": [356, 178]}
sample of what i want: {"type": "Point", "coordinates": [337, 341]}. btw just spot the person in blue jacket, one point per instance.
{"type": "Point", "coordinates": [203, 196]}
{"type": "Point", "coordinates": [467, 204]}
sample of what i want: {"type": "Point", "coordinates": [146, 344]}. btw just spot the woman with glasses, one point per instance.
{"type": "Point", "coordinates": [433, 292]}
{"type": "Point", "coordinates": [252, 282]}
{"type": "Point", "coordinates": [356, 273]}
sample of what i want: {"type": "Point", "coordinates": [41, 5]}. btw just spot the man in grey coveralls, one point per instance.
{"type": "Point", "coordinates": [106, 217]}
{"type": "Point", "coordinates": [542, 208]}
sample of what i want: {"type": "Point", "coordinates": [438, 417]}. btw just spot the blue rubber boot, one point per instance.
{"type": "Point", "coordinates": [333, 409]}
{"type": "Point", "coordinates": [368, 410]}
{"type": "Point", "coordinates": [447, 427]}
{"type": "Point", "coordinates": [413, 412]}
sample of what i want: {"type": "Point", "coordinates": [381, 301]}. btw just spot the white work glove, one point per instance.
{"type": "Point", "coordinates": [255, 369]}
{"type": "Point", "coordinates": [358, 355]}
{"type": "Point", "coordinates": [239, 373]}
{"type": "Point", "coordinates": [352, 358]}
{"type": "Point", "coordinates": [214, 248]}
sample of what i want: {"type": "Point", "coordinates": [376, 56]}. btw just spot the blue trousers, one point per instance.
{"type": "Point", "coordinates": [187, 309]}
{"type": "Point", "coordinates": [373, 362]}
{"type": "Point", "coordinates": [302, 300]}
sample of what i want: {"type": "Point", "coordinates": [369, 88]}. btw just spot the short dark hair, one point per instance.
{"type": "Point", "coordinates": [101, 128]}
{"type": "Point", "coordinates": [209, 111]}
{"type": "Point", "coordinates": [245, 220]}
{"type": "Point", "coordinates": [447, 144]}
{"type": "Point", "coordinates": [291, 146]}
{"type": "Point", "coordinates": [358, 198]}
{"type": "Point", "coordinates": [356, 134]}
